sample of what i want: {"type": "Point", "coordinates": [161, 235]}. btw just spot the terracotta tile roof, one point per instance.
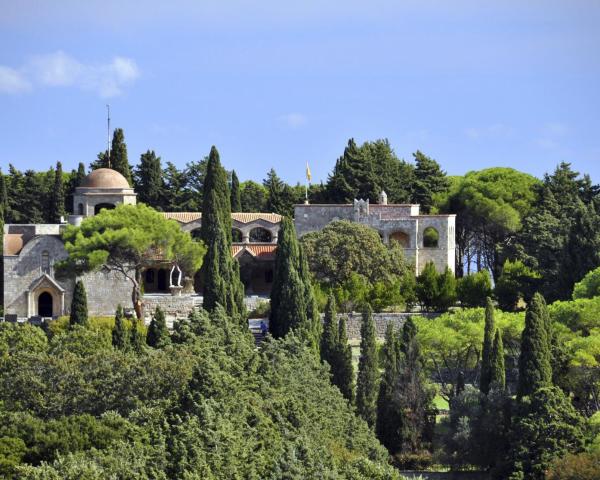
{"type": "Point", "coordinates": [13, 243]}
{"type": "Point", "coordinates": [264, 251]}
{"type": "Point", "coordinates": [187, 217]}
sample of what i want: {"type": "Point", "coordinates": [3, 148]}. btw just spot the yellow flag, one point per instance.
{"type": "Point", "coordinates": [308, 175]}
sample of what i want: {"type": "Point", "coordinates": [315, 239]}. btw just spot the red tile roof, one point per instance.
{"type": "Point", "coordinates": [242, 217]}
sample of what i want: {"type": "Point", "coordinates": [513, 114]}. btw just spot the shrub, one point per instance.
{"type": "Point", "coordinates": [589, 286]}
{"type": "Point", "coordinates": [473, 289]}
{"type": "Point", "coordinates": [517, 282]}
{"type": "Point", "coordinates": [584, 466]}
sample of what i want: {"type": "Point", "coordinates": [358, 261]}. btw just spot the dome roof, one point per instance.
{"type": "Point", "coordinates": [105, 178]}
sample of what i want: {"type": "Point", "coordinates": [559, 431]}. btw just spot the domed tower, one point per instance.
{"type": "Point", "coordinates": [102, 188]}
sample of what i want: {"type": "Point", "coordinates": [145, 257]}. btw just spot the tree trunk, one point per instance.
{"type": "Point", "coordinates": [136, 295]}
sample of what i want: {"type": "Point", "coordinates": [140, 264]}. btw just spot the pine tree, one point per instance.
{"type": "Point", "coordinates": [57, 199]}
{"type": "Point", "coordinates": [446, 290]}
{"type": "Point", "coordinates": [344, 375]}
{"type": "Point", "coordinates": [79, 310]}
{"type": "Point", "coordinates": [236, 197]}
{"type": "Point", "coordinates": [222, 284]}
{"type": "Point", "coordinates": [534, 362]}
{"type": "Point", "coordinates": [148, 179]}
{"type": "Point", "coordinates": [366, 384]}
{"type": "Point", "coordinates": [389, 415]}
{"type": "Point", "coordinates": [486, 351]}
{"type": "Point", "coordinates": [120, 338]}
{"type": "Point", "coordinates": [279, 195]}
{"type": "Point", "coordinates": [158, 334]}
{"type": "Point", "coordinates": [3, 198]}
{"type": "Point", "coordinates": [430, 179]}
{"type": "Point", "coordinates": [136, 339]}
{"type": "Point", "coordinates": [428, 287]}
{"type": "Point", "coordinates": [497, 371]}
{"type": "Point", "coordinates": [118, 155]}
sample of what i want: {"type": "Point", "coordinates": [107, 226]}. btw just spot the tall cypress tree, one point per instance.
{"type": "Point", "coordinates": [222, 284]}
{"type": "Point", "coordinates": [314, 326]}
{"type": "Point", "coordinates": [497, 371]}
{"type": "Point", "coordinates": [118, 155]}
{"type": "Point", "coordinates": [366, 384]}
{"type": "Point", "coordinates": [534, 362]}
{"type": "Point", "coordinates": [57, 198]}
{"type": "Point", "coordinates": [389, 415]}
{"type": "Point", "coordinates": [137, 340]}
{"type": "Point", "coordinates": [148, 179]}
{"type": "Point", "coordinates": [120, 338]}
{"type": "Point", "coordinates": [158, 334]}
{"type": "Point", "coordinates": [236, 197]}
{"type": "Point", "coordinates": [288, 302]}
{"type": "Point", "coordinates": [329, 339]}
{"type": "Point", "coordinates": [488, 342]}
{"type": "Point", "coordinates": [79, 310]}
{"type": "Point", "coordinates": [344, 375]}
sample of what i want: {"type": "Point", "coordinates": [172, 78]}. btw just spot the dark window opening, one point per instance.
{"type": "Point", "coordinates": [45, 305]}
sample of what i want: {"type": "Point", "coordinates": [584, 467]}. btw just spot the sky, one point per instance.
{"type": "Point", "coordinates": [277, 84]}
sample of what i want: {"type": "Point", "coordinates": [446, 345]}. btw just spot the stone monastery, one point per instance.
{"type": "Point", "coordinates": [31, 290]}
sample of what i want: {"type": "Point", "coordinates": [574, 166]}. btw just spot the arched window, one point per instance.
{"type": "Point", "coordinates": [431, 237]}
{"type": "Point", "coordinates": [236, 235]}
{"type": "Point", "coordinates": [260, 234]}
{"type": "Point", "coordinates": [402, 238]}
{"type": "Point", "coordinates": [45, 262]}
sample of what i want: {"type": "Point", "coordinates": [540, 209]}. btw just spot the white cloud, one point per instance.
{"type": "Point", "coordinates": [12, 81]}
{"type": "Point", "coordinates": [294, 120]}
{"type": "Point", "coordinates": [59, 69]}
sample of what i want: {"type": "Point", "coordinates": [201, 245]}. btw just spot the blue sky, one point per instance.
{"type": "Point", "coordinates": [275, 84]}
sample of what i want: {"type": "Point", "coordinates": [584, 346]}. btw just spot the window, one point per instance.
{"type": "Point", "coordinates": [45, 262]}
{"type": "Point", "coordinates": [430, 237]}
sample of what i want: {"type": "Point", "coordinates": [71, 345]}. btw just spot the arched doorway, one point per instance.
{"type": "Point", "coordinates": [102, 206]}
{"type": "Point", "coordinates": [45, 305]}
{"type": "Point", "coordinates": [161, 280]}
{"type": "Point", "coordinates": [260, 235]}
{"type": "Point", "coordinates": [401, 237]}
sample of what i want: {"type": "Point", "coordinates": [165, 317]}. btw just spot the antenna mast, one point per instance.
{"type": "Point", "coordinates": [108, 133]}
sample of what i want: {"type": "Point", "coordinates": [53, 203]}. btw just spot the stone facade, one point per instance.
{"type": "Point", "coordinates": [402, 223]}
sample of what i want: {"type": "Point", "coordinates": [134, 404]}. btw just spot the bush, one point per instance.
{"type": "Point", "coordinates": [584, 466]}
{"type": "Point", "coordinates": [473, 289]}
{"type": "Point", "coordinates": [589, 286]}
{"type": "Point", "coordinates": [262, 310]}
{"type": "Point", "coordinates": [517, 282]}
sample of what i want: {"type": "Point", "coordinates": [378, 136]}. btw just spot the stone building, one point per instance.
{"type": "Point", "coordinates": [31, 288]}
{"type": "Point", "coordinates": [424, 238]}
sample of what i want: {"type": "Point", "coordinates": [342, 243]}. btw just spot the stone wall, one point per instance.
{"type": "Point", "coordinates": [381, 321]}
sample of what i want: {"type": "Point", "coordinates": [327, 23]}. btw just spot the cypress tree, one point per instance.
{"type": "Point", "coordinates": [446, 290]}
{"type": "Point", "coordinates": [329, 340]}
{"type": "Point", "coordinates": [3, 197]}
{"type": "Point", "coordinates": [81, 174]}
{"type": "Point", "coordinates": [118, 155]}
{"type": "Point", "coordinates": [534, 362]}
{"type": "Point", "coordinates": [79, 310]}
{"type": "Point", "coordinates": [149, 183]}
{"type": "Point", "coordinates": [314, 327]}
{"type": "Point", "coordinates": [428, 287]}
{"type": "Point", "coordinates": [288, 302]}
{"type": "Point", "coordinates": [366, 385]}
{"type": "Point", "coordinates": [136, 340]}
{"type": "Point", "coordinates": [222, 283]}
{"type": "Point", "coordinates": [236, 197]}
{"type": "Point", "coordinates": [120, 338]}
{"type": "Point", "coordinates": [497, 371]}
{"type": "Point", "coordinates": [389, 417]}
{"type": "Point", "coordinates": [158, 334]}
{"type": "Point", "coordinates": [57, 198]}
{"type": "Point", "coordinates": [344, 375]}
{"type": "Point", "coordinates": [488, 343]}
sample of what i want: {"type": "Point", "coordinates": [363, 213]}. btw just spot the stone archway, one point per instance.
{"type": "Point", "coordinates": [45, 304]}
{"type": "Point", "coordinates": [401, 237]}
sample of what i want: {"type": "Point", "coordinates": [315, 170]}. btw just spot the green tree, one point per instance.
{"type": "Point", "coordinates": [427, 287]}
{"type": "Point", "coordinates": [125, 240]}
{"type": "Point", "coordinates": [118, 155]}
{"type": "Point", "coordinates": [389, 414]}
{"type": "Point", "coordinates": [545, 428]}
{"type": "Point", "coordinates": [497, 370]}
{"type": "Point", "coordinates": [148, 180]}
{"type": "Point", "coordinates": [446, 290]}
{"type": "Point", "coordinates": [253, 197]}
{"type": "Point", "coordinates": [137, 338]}
{"type": "Point", "coordinates": [430, 180]}
{"type": "Point", "coordinates": [534, 362]}
{"type": "Point", "coordinates": [517, 282]}
{"type": "Point", "coordinates": [329, 339]}
{"type": "Point", "coordinates": [589, 286]}
{"type": "Point", "coordinates": [158, 334]}
{"type": "Point", "coordinates": [57, 203]}
{"type": "Point", "coordinates": [79, 309]}
{"type": "Point", "coordinates": [120, 336]}
{"type": "Point", "coordinates": [222, 284]}
{"type": "Point", "coordinates": [472, 290]}
{"type": "Point", "coordinates": [488, 347]}
{"type": "Point", "coordinates": [236, 197]}
{"type": "Point", "coordinates": [367, 381]}
{"type": "Point", "coordinates": [344, 374]}
{"type": "Point", "coordinates": [280, 198]}
{"type": "Point", "coordinates": [3, 197]}
{"type": "Point", "coordinates": [178, 197]}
